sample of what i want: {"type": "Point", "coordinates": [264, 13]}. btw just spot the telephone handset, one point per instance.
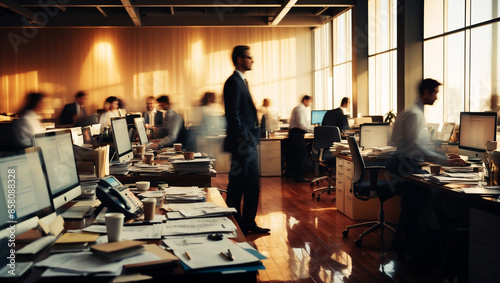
{"type": "Point", "coordinates": [118, 198]}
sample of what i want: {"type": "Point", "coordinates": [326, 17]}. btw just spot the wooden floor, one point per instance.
{"type": "Point", "coordinates": [306, 242]}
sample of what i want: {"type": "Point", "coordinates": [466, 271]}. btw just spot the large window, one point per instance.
{"type": "Point", "coordinates": [333, 62]}
{"type": "Point", "coordinates": [382, 56]}
{"type": "Point", "coordinates": [461, 41]}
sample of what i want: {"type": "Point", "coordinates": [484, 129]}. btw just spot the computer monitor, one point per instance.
{"type": "Point", "coordinates": [141, 130]}
{"type": "Point", "coordinates": [476, 128]}
{"type": "Point", "coordinates": [23, 180]}
{"type": "Point", "coordinates": [374, 134]}
{"type": "Point", "coordinates": [59, 159]}
{"type": "Point", "coordinates": [317, 116]}
{"type": "Point", "coordinates": [121, 137]}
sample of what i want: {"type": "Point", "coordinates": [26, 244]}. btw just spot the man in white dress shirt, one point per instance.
{"type": "Point", "coordinates": [300, 123]}
{"type": "Point", "coordinates": [30, 123]}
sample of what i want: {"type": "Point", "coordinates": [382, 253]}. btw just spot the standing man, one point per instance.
{"type": "Point", "coordinates": [337, 116]}
{"type": "Point", "coordinates": [73, 111]}
{"type": "Point", "coordinates": [175, 130]}
{"type": "Point", "coordinates": [152, 117]}
{"type": "Point", "coordinates": [300, 123]}
{"type": "Point", "coordinates": [241, 141]}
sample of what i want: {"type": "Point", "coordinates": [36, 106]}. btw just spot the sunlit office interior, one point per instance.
{"type": "Point", "coordinates": [374, 52]}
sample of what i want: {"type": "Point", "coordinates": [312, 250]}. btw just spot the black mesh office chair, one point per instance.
{"type": "Point", "coordinates": [365, 190]}
{"type": "Point", "coordinates": [324, 137]}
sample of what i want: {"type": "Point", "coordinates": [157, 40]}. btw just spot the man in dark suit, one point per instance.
{"type": "Point", "coordinates": [73, 111]}
{"type": "Point", "coordinates": [337, 117]}
{"type": "Point", "coordinates": [152, 117]}
{"type": "Point", "coordinates": [241, 141]}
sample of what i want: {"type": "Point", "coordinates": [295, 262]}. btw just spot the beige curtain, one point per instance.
{"type": "Point", "coordinates": [133, 63]}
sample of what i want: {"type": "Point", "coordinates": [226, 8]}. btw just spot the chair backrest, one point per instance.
{"type": "Point", "coordinates": [325, 136]}
{"type": "Point", "coordinates": [359, 163]}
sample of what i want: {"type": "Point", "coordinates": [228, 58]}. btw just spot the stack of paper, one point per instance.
{"type": "Point", "coordinates": [198, 165]}
{"type": "Point", "coordinates": [184, 194]}
{"type": "Point", "coordinates": [149, 169]}
{"type": "Point", "coordinates": [120, 168]}
{"type": "Point", "coordinates": [339, 147]}
{"type": "Point", "coordinates": [380, 150]}
{"type": "Point", "coordinates": [456, 178]}
{"type": "Point", "coordinates": [197, 226]}
{"type": "Point", "coordinates": [137, 232]}
{"type": "Point", "coordinates": [200, 213]}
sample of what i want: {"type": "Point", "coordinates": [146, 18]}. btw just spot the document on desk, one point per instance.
{"type": "Point", "coordinates": [479, 191]}
{"type": "Point", "coordinates": [87, 263]}
{"type": "Point", "coordinates": [187, 206]}
{"type": "Point", "coordinates": [455, 180]}
{"type": "Point", "coordinates": [137, 232]}
{"type": "Point", "coordinates": [200, 213]}
{"type": "Point", "coordinates": [197, 226]}
{"type": "Point", "coordinates": [220, 253]}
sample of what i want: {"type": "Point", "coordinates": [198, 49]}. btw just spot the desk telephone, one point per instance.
{"type": "Point", "coordinates": [118, 198]}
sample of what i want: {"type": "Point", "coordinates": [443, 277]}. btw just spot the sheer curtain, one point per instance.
{"type": "Point", "coordinates": [133, 63]}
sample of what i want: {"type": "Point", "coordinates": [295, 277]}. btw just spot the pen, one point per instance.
{"type": "Point", "coordinates": [229, 254]}
{"type": "Point", "coordinates": [187, 255]}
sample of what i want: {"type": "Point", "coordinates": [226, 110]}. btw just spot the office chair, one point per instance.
{"type": "Point", "coordinates": [324, 137]}
{"type": "Point", "coordinates": [365, 190]}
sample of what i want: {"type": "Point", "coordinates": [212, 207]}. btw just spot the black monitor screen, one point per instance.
{"type": "Point", "coordinates": [317, 116]}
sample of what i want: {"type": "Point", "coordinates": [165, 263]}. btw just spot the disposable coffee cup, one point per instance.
{"type": "Point", "coordinates": [178, 146]}
{"type": "Point", "coordinates": [149, 208]}
{"type": "Point", "coordinates": [148, 158]}
{"type": "Point", "coordinates": [140, 149]}
{"type": "Point", "coordinates": [188, 155]}
{"type": "Point", "coordinates": [114, 225]}
{"type": "Point", "coordinates": [435, 169]}
{"type": "Point", "coordinates": [491, 145]}
{"type": "Point", "coordinates": [142, 185]}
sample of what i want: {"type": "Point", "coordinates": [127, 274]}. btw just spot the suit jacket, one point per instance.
{"type": "Point", "coordinates": [158, 117]}
{"type": "Point", "coordinates": [68, 112]}
{"type": "Point", "coordinates": [241, 114]}
{"type": "Point", "coordinates": [336, 117]}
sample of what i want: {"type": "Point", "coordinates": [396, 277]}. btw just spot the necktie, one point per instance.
{"type": "Point", "coordinates": [246, 82]}
{"type": "Point", "coordinates": [82, 111]}
{"type": "Point", "coordinates": [151, 118]}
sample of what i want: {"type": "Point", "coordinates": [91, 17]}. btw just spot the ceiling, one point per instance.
{"type": "Point", "coordinates": [85, 13]}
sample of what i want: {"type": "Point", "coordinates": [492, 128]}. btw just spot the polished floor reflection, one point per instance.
{"type": "Point", "coordinates": [306, 242]}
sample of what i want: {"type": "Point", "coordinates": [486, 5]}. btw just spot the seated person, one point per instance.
{"type": "Point", "coordinates": [30, 123]}
{"type": "Point", "coordinates": [173, 124]}
{"type": "Point", "coordinates": [110, 106]}
{"type": "Point", "coordinates": [73, 111]}
{"type": "Point", "coordinates": [337, 117]}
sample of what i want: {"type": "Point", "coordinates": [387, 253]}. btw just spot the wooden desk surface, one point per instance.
{"type": "Point", "coordinates": [175, 274]}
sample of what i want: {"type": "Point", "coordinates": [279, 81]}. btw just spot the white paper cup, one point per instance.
{"type": "Point", "coordinates": [178, 146]}
{"type": "Point", "coordinates": [114, 225]}
{"type": "Point", "coordinates": [149, 208]}
{"type": "Point", "coordinates": [142, 185]}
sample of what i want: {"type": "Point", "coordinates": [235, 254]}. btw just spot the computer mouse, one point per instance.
{"type": "Point", "coordinates": [215, 237]}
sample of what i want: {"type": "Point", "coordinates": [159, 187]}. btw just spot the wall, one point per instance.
{"type": "Point", "coordinates": [133, 63]}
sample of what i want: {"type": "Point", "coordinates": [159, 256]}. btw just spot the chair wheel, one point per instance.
{"type": "Point", "coordinates": [317, 183]}
{"type": "Point", "coordinates": [358, 243]}
{"type": "Point", "coordinates": [313, 195]}
{"type": "Point", "coordinates": [328, 192]}
{"type": "Point", "coordinates": [345, 232]}
{"type": "Point", "coordinates": [317, 198]}
{"type": "Point", "coordinates": [311, 184]}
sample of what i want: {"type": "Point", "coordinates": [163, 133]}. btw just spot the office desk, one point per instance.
{"type": "Point", "coordinates": [175, 274]}
{"type": "Point", "coordinates": [482, 217]}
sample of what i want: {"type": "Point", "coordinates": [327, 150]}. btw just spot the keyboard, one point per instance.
{"type": "Point", "coordinates": [77, 212]}
{"type": "Point", "coordinates": [37, 245]}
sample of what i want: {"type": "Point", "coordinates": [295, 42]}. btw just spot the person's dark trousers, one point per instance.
{"type": "Point", "coordinates": [414, 199]}
{"type": "Point", "coordinates": [297, 153]}
{"type": "Point", "coordinates": [244, 182]}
